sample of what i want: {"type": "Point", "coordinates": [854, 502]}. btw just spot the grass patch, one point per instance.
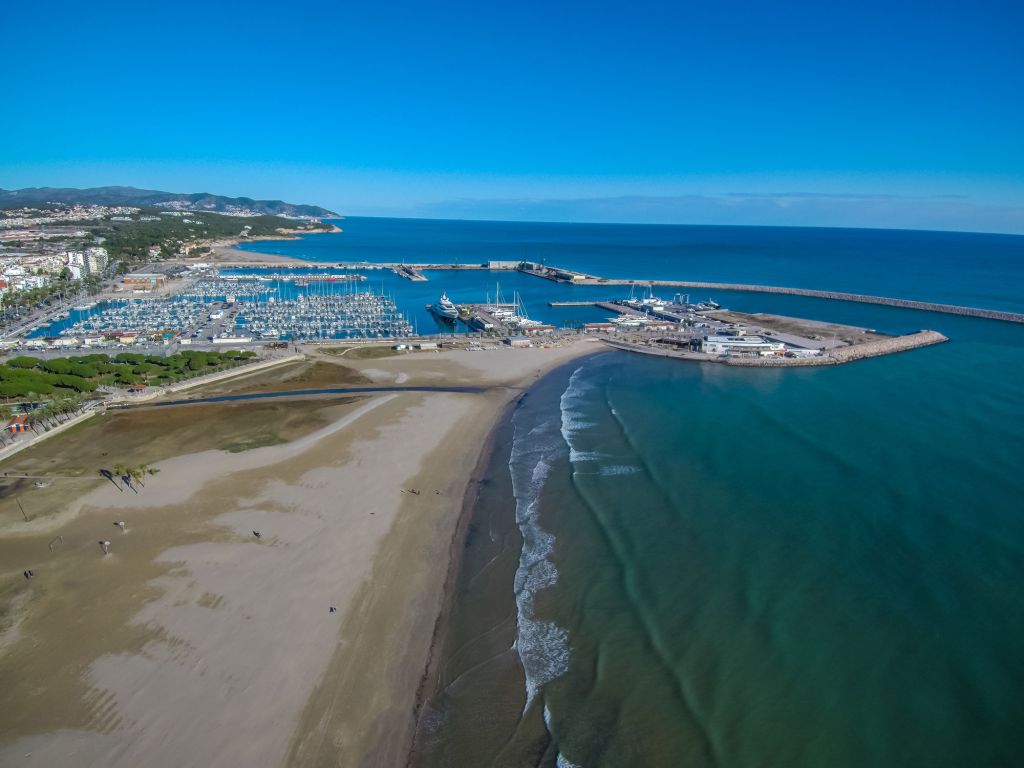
{"type": "Point", "coordinates": [362, 353]}
{"type": "Point", "coordinates": [257, 441]}
{"type": "Point", "coordinates": [151, 435]}
{"type": "Point", "coordinates": [290, 377]}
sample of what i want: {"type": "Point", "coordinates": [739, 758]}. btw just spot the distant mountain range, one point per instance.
{"type": "Point", "coordinates": [199, 201]}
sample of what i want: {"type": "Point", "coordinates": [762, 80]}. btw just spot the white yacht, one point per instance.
{"type": "Point", "coordinates": [444, 309]}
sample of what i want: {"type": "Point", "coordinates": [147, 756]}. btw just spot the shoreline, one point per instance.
{"type": "Point", "coordinates": [190, 603]}
{"type": "Point", "coordinates": [228, 251]}
{"type": "Point", "coordinates": [427, 688]}
{"type": "Point", "coordinates": [387, 736]}
{"type": "Point", "coordinates": [430, 686]}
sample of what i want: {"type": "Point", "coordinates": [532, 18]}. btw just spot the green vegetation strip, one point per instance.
{"type": "Point", "coordinates": [31, 377]}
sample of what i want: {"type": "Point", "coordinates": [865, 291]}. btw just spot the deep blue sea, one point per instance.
{"type": "Point", "coordinates": [675, 564]}
{"type": "Point", "coordinates": [950, 267]}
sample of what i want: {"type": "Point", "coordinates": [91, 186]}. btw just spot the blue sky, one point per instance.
{"type": "Point", "coordinates": [851, 114]}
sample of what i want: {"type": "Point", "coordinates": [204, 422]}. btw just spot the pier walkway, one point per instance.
{"type": "Point", "coordinates": [926, 306]}
{"type": "Point", "coordinates": [409, 273]}
{"type": "Point", "coordinates": [837, 356]}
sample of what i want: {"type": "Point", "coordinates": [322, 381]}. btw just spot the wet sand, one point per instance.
{"type": "Point", "coordinates": [195, 642]}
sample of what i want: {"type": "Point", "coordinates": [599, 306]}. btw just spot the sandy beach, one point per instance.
{"type": "Point", "coordinates": [195, 642]}
{"type": "Point", "coordinates": [228, 251]}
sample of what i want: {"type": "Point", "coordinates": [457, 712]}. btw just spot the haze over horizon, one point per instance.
{"type": "Point", "coordinates": [862, 115]}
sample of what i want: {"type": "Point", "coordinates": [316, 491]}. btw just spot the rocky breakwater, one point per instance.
{"type": "Point", "coordinates": [927, 306]}
{"type": "Point", "coordinates": [841, 355]}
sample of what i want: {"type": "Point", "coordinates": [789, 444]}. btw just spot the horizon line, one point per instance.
{"type": "Point", "coordinates": [663, 224]}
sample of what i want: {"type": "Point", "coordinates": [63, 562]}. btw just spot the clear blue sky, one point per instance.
{"type": "Point", "coordinates": [859, 113]}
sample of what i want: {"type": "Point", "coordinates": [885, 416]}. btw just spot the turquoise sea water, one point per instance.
{"type": "Point", "coordinates": [694, 565]}
{"type": "Point", "coordinates": [820, 569]}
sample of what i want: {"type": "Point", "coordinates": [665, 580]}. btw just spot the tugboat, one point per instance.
{"type": "Point", "coordinates": [444, 309]}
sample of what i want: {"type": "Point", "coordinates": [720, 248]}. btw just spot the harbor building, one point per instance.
{"type": "Point", "coordinates": [144, 279]}
{"type": "Point", "coordinates": [751, 346]}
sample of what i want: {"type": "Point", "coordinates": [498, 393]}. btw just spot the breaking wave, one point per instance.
{"type": "Point", "coordinates": [543, 646]}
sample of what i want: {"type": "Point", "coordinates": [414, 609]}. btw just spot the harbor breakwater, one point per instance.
{"type": "Point", "coordinates": [927, 306]}
{"type": "Point", "coordinates": [838, 356]}
{"type": "Point", "coordinates": [841, 355]}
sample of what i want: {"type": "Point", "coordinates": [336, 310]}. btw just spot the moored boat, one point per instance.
{"type": "Point", "coordinates": [444, 309]}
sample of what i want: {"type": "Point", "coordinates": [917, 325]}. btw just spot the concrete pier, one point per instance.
{"type": "Point", "coordinates": [409, 273]}
{"type": "Point", "coordinates": [926, 306]}
{"type": "Point", "coordinates": [838, 356]}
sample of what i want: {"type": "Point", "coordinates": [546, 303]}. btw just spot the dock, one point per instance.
{"type": "Point", "coordinates": [292, 277]}
{"type": "Point", "coordinates": [480, 317]}
{"type": "Point", "coordinates": [578, 278]}
{"type": "Point", "coordinates": [409, 273]}
{"type": "Point", "coordinates": [836, 356]}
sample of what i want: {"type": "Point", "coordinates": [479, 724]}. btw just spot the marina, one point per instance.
{"type": "Point", "coordinates": [362, 315]}
{"type": "Point", "coordinates": [240, 308]}
{"type": "Point", "coordinates": [269, 305]}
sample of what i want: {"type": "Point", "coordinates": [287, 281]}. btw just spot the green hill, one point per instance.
{"type": "Point", "coordinates": [198, 201]}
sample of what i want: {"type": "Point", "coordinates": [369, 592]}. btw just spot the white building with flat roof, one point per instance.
{"type": "Point", "coordinates": [752, 346]}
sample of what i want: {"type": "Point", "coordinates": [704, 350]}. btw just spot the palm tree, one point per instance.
{"type": "Point", "coordinates": [41, 414]}
{"type": "Point", "coordinates": [60, 406]}
{"type": "Point", "coordinates": [151, 471]}
{"type": "Point", "coordinates": [122, 472]}
{"type": "Point", "coordinates": [30, 403]}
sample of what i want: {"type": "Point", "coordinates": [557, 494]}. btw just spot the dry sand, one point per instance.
{"type": "Point", "coordinates": [195, 643]}
{"type": "Point", "coordinates": [229, 253]}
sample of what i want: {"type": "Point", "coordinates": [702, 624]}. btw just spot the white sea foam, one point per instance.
{"type": "Point", "coordinates": [562, 761]}
{"type": "Point", "coordinates": [618, 469]}
{"type": "Point", "coordinates": [574, 420]}
{"type": "Point", "coordinates": [543, 646]}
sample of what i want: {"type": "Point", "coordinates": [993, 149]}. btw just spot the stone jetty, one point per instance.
{"type": "Point", "coordinates": [838, 356]}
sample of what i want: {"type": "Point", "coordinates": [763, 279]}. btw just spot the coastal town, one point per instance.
{"type": "Point", "coordinates": [77, 277]}
{"type": "Point", "coordinates": [103, 303]}
{"type": "Point", "coordinates": [512, 385]}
